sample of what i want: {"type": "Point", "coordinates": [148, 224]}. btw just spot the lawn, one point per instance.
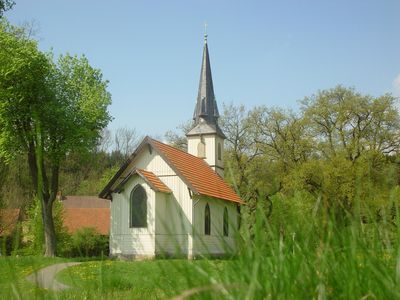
{"type": "Point", "coordinates": [107, 279]}
{"type": "Point", "coordinates": [156, 279]}
{"type": "Point", "coordinates": [312, 262]}
{"type": "Point", "coordinates": [286, 271]}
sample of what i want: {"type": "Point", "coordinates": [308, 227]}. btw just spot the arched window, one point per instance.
{"type": "Point", "coordinates": [219, 151]}
{"type": "Point", "coordinates": [138, 207]}
{"type": "Point", "coordinates": [226, 222]}
{"type": "Point", "coordinates": [207, 220]}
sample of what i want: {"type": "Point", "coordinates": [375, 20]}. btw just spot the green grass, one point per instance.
{"type": "Point", "coordinates": [314, 258]}
{"type": "Point", "coordinates": [13, 271]}
{"type": "Point", "coordinates": [157, 279]}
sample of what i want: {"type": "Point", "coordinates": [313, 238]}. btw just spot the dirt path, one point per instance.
{"type": "Point", "coordinates": [46, 277]}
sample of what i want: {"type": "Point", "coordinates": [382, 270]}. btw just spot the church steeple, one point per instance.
{"type": "Point", "coordinates": [206, 106]}
{"type": "Point", "coordinates": [206, 113]}
{"type": "Point", "coordinates": [206, 139]}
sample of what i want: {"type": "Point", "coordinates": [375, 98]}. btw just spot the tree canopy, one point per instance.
{"type": "Point", "coordinates": [47, 109]}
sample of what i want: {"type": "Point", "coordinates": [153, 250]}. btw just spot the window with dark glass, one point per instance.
{"type": "Point", "coordinates": [207, 220]}
{"type": "Point", "coordinates": [226, 222]}
{"type": "Point", "coordinates": [219, 151]}
{"type": "Point", "coordinates": [138, 208]}
{"type": "Point", "coordinates": [239, 219]}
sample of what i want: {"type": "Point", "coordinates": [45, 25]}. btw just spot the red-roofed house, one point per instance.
{"type": "Point", "coordinates": [86, 211]}
{"type": "Point", "coordinates": [170, 202]}
{"type": "Point", "coordinates": [79, 212]}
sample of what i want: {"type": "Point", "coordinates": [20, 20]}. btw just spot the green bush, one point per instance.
{"type": "Point", "coordinates": [33, 232]}
{"type": "Point", "coordinates": [87, 242]}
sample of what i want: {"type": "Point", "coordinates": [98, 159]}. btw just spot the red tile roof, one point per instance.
{"type": "Point", "coordinates": [196, 172]}
{"type": "Point", "coordinates": [154, 181]}
{"type": "Point", "coordinates": [86, 211]}
{"type": "Point", "coordinates": [97, 218]}
{"type": "Point", "coordinates": [79, 212]}
{"type": "Point", "coordinates": [85, 202]}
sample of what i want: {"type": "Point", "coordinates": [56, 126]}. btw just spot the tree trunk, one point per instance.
{"type": "Point", "coordinates": [49, 230]}
{"type": "Point", "coordinates": [43, 196]}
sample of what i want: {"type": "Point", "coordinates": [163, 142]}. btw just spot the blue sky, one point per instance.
{"type": "Point", "coordinates": [270, 53]}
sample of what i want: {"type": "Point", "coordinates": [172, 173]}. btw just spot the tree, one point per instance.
{"type": "Point", "coordinates": [282, 135]}
{"type": "Point", "coordinates": [126, 140]}
{"type": "Point", "coordinates": [241, 147]}
{"type": "Point", "coordinates": [345, 122]}
{"type": "Point", "coordinates": [47, 109]}
{"type": "Point", "coordinates": [5, 5]}
{"type": "Point", "coordinates": [178, 139]}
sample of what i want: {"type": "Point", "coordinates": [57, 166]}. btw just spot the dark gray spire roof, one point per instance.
{"type": "Point", "coordinates": [206, 111]}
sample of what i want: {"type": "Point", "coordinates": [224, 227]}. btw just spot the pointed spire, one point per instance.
{"type": "Point", "coordinates": [206, 110]}
{"type": "Point", "coordinates": [206, 106]}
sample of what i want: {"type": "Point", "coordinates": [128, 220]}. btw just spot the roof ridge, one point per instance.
{"type": "Point", "coordinates": [186, 153]}
{"type": "Point", "coordinates": [180, 150]}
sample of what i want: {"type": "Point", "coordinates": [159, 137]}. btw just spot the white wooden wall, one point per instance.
{"type": "Point", "coordinates": [211, 141]}
{"type": "Point", "coordinates": [171, 214]}
{"type": "Point", "coordinates": [131, 241]}
{"type": "Point", "coordinates": [215, 243]}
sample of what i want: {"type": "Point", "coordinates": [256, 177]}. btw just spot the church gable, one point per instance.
{"type": "Point", "coordinates": [145, 162]}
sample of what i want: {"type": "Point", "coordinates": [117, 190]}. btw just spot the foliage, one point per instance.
{"type": "Point", "coordinates": [287, 257]}
{"type": "Point", "coordinates": [302, 253]}
{"type": "Point", "coordinates": [33, 233]}
{"type": "Point", "coordinates": [86, 242]}
{"type": "Point", "coordinates": [179, 140]}
{"type": "Point", "coordinates": [339, 147]}
{"type": "Point", "coordinates": [47, 109]}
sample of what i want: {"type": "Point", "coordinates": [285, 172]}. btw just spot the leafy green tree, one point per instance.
{"type": "Point", "coordinates": [343, 121]}
{"type": "Point", "coordinates": [338, 149]}
{"type": "Point", "coordinates": [282, 136]}
{"type": "Point", "coordinates": [47, 109]}
{"type": "Point", "coordinates": [241, 149]}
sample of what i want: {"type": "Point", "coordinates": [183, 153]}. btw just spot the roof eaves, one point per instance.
{"type": "Point", "coordinates": [224, 199]}
{"type": "Point", "coordinates": [152, 186]}
{"type": "Point", "coordinates": [118, 188]}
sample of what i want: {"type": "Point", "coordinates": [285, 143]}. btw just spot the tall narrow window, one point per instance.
{"type": "Point", "coordinates": [138, 208]}
{"type": "Point", "coordinates": [239, 219]}
{"type": "Point", "coordinates": [219, 151]}
{"type": "Point", "coordinates": [207, 220]}
{"type": "Point", "coordinates": [226, 222]}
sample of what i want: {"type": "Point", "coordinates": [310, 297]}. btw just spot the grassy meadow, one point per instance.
{"type": "Point", "coordinates": [316, 258]}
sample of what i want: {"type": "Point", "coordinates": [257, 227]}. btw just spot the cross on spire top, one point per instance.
{"type": "Point", "coordinates": [205, 32]}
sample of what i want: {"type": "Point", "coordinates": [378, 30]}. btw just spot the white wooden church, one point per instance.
{"type": "Point", "coordinates": [165, 201]}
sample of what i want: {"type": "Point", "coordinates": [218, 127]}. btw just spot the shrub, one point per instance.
{"type": "Point", "coordinates": [87, 242]}
{"type": "Point", "coordinates": [33, 231]}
